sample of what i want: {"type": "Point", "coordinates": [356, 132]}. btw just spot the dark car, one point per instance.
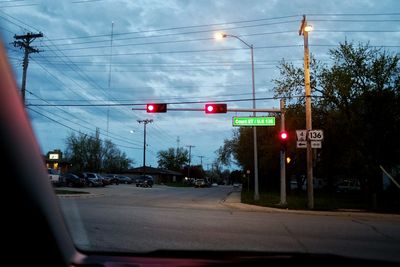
{"type": "Point", "coordinates": [113, 178]}
{"type": "Point", "coordinates": [144, 181]}
{"type": "Point", "coordinates": [73, 180]}
{"type": "Point", "coordinates": [124, 179]}
{"type": "Point", "coordinates": [91, 179]}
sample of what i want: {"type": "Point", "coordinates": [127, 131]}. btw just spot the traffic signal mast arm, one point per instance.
{"type": "Point", "coordinates": [276, 110]}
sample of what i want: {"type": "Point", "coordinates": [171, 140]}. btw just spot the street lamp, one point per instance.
{"type": "Point", "coordinates": [220, 36]}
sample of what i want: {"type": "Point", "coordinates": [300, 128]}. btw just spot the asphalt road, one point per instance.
{"type": "Point", "coordinates": [126, 218]}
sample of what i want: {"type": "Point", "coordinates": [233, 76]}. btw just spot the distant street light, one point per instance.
{"type": "Point", "coordinates": [220, 36]}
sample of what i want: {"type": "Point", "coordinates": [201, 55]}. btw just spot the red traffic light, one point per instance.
{"type": "Point", "coordinates": [156, 108]}
{"type": "Point", "coordinates": [283, 136]}
{"type": "Point", "coordinates": [215, 108]}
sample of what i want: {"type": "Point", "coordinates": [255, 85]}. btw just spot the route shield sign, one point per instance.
{"type": "Point", "coordinates": [253, 121]}
{"type": "Point", "coordinates": [316, 135]}
{"type": "Point", "coordinates": [301, 135]}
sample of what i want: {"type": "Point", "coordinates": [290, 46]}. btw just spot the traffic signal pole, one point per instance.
{"type": "Point", "coordinates": [272, 110]}
{"type": "Point", "coordinates": [283, 158]}
{"type": "Point", "coordinates": [222, 108]}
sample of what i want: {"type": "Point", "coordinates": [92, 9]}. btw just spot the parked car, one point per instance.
{"type": "Point", "coordinates": [119, 179]}
{"type": "Point", "coordinates": [200, 183]}
{"type": "Point", "coordinates": [113, 178]}
{"type": "Point", "coordinates": [73, 180]}
{"type": "Point", "coordinates": [92, 179]}
{"type": "Point", "coordinates": [144, 181]}
{"type": "Point", "coordinates": [348, 186]}
{"type": "Point", "coordinates": [124, 179]}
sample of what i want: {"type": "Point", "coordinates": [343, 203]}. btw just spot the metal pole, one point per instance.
{"type": "Point", "coordinates": [256, 190]}
{"type": "Point", "coordinates": [283, 158]}
{"type": "Point", "coordinates": [144, 150]}
{"type": "Point", "coordinates": [310, 186]}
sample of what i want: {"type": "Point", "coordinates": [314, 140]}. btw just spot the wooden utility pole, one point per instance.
{"type": "Point", "coordinates": [24, 42]}
{"type": "Point", "coordinates": [190, 158]}
{"type": "Point", "coordinates": [145, 122]}
{"type": "Point", "coordinates": [304, 29]}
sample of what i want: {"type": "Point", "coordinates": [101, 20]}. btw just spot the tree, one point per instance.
{"type": "Point", "coordinates": [90, 153]}
{"type": "Point", "coordinates": [114, 160]}
{"type": "Point", "coordinates": [172, 159]}
{"type": "Point", "coordinates": [357, 104]}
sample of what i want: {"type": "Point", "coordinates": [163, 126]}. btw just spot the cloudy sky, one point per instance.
{"type": "Point", "coordinates": [100, 58]}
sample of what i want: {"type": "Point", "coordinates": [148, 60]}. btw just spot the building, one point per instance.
{"type": "Point", "coordinates": [55, 160]}
{"type": "Point", "coordinates": [160, 175]}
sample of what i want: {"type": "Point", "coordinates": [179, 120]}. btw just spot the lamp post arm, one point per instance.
{"type": "Point", "coordinates": [240, 39]}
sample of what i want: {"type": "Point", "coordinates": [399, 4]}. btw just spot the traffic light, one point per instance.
{"type": "Point", "coordinates": [156, 108]}
{"type": "Point", "coordinates": [283, 138]}
{"type": "Point", "coordinates": [215, 108]}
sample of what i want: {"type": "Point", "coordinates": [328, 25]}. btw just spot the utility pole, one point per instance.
{"type": "Point", "coordinates": [145, 122]}
{"type": "Point", "coordinates": [304, 29]}
{"type": "Point", "coordinates": [24, 41]}
{"type": "Point", "coordinates": [190, 158]}
{"type": "Point", "coordinates": [109, 74]}
{"type": "Point", "coordinates": [201, 160]}
{"type": "Point", "coordinates": [177, 145]}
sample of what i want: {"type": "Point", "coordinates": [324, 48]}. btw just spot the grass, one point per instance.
{"type": "Point", "coordinates": [69, 192]}
{"type": "Point", "coordinates": [298, 201]}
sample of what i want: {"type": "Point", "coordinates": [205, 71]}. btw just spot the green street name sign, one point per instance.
{"type": "Point", "coordinates": [253, 121]}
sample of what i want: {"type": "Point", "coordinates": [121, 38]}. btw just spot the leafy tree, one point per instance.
{"type": "Point", "coordinates": [172, 159]}
{"type": "Point", "coordinates": [356, 102]}
{"type": "Point", "coordinates": [90, 153]}
{"type": "Point", "coordinates": [357, 105]}
{"type": "Point", "coordinates": [114, 160]}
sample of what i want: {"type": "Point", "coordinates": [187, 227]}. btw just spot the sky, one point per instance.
{"type": "Point", "coordinates": [99, 59]}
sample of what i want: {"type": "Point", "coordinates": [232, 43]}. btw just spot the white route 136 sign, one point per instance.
{"type": "Point", "coordinates": [316, 135]}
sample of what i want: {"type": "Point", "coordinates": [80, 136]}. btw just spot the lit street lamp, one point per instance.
{"type": "Point", "coordinates": [220, 36]}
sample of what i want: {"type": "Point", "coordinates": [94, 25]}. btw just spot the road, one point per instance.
{"type": "Point", "coordinates": [126, 218]}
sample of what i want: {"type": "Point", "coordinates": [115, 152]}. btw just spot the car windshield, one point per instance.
{"type": "Point", "coordinates": [215, 125]}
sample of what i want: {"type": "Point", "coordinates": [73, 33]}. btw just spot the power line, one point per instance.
{"type": "Point", "coordinates": [66, 126]}
{"type": "Point", "coordinates": [177, 28]}
{"type": "Point", "coordinates": [158, 42]}
{"type": "Point", "coordinates": [118, 137]}
{"type": "Point", "coordinates": [169, 103]}
{"type": "Point", "coordinates": [225, 23]}
{"type": "Point", "coordinates": [180, 51]}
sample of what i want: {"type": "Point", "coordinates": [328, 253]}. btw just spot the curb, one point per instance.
{"type": "Point", "coordinates": [230, 202]}
{"type": "Point", "coordinates": [79, 195]}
